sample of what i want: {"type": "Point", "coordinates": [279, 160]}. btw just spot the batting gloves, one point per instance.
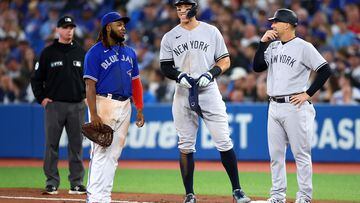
{"type": "Point", "coordinates": [205, 79]}
{"type": "Point", "coordinates": [183, 80]}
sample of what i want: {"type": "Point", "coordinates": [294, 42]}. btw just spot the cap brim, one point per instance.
{"type": "Point", "coordinates": [67, 24]}
{"type": "Point", "coordinates": [273, 19]}
{"type": "Point", "coordinates": [124, 19]}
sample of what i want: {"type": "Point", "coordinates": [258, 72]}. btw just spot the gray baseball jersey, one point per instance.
{"type": "Point", "coordinates": [195, 52]}
{"type": "Point", "coordinates": [289, 67]}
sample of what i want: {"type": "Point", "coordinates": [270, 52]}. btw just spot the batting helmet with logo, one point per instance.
{"type": "Point", "coordinates": [194, 7]}
{"type": "Point", "coordinates": [286, 16]}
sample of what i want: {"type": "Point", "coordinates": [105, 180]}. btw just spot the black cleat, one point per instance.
{"type": "Point", "coordinates": [190, 198]}
{"type": "Point", "coordinates": [77, 190]}
{"type": "Point", "coordinates": [240, 197]}
{"type": "Point", "coordinates": [51, 190]}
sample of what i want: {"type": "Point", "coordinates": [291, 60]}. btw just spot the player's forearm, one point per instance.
{"type": "Point", "coordinates": [167, 68]}
{"type": "Point", "coordinates": [91, 96]}
{"type": "Point", "coordinates": [137, 92]}
{"type": "Point", "coordinates": [223, 63]}
{"type": "Point", "coordinates": [259, 59]}
{"type": "Point", "coordinates": [322, 75]}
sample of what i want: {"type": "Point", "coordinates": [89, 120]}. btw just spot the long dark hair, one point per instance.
{"type": "Point", "coordinates": [103, 37]}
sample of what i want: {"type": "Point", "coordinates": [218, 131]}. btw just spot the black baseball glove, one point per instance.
{"type": "Point", "coordinates": [102, 136]}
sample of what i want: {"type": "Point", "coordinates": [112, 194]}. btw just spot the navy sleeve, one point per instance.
{"type": "Point", "coordinates": [259, 60]}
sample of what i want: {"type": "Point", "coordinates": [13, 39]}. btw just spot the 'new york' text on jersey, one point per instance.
{"type": "Point", "coordinates": [289, 66]}
{"type": "Point", "coordinates": [193, 51]}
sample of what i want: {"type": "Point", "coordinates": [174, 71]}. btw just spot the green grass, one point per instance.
{"type": "Point", "coordinates": [326, 186]}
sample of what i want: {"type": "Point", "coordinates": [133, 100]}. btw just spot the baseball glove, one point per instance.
{"type": "Point", "coordinates": [102, 136]}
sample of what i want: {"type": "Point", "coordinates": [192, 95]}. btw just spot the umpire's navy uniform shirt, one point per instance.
{"type": "Point", "coordinates": [58, 73]}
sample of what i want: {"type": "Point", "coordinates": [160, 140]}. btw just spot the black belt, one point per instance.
{"type": "Point", "coordinates": [282, 99]}
{"type": "Point", "coordinates": [279, 99]}
{"type": "Point", "coordinates": [114, 96]}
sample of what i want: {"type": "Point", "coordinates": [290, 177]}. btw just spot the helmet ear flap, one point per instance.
{"type": "Point", "coordinates": [192, 11]}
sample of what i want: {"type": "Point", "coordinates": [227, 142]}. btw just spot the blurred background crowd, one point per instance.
{"type": "Point", "coordinates": [332, 26]}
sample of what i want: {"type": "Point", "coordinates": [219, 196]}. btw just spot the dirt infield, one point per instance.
{"type": "Point", "coordinates": [35, 195]}
{"type": "Point", "coordinates": [16, 195]}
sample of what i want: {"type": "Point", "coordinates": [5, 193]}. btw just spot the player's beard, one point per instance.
{"type": "Point", "coordinates": [116, 37]}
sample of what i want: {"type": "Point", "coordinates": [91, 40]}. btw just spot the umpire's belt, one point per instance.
{"type": "Point", "coordinates": [114, 96]}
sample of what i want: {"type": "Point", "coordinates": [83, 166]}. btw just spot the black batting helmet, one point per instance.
{"type": "Point", "coordinates": [286, 16]}
{"type": "Point", "coordinates": [177, 2]}
{"type": "Point", "coordinates": [194, 7]}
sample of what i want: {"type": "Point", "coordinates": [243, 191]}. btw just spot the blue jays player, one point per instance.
{"type": "Point", "coordinates": [111, 77]}
{"type": "Point", "coordinates": [193, 53]}
{"type": "Point", "coordinates": [289, 61]}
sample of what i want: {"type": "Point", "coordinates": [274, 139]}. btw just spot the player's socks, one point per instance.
{"type": "Point", "coordinates": [187, 171]}
{"type": "Point", "coordinates": [229, 161]}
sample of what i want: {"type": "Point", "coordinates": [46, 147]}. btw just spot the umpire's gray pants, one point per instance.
{"type": "Point", "coordinates": [72, 116]}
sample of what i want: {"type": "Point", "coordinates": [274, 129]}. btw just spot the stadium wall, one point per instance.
{"type": "Point", "coordinates": [337, 134]}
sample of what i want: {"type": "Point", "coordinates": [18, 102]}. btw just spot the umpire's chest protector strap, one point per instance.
{"type": "Point", "coordinates": [194, 98]}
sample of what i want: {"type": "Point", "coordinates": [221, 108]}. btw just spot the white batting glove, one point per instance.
{"type": "Point", "coordinates": [183, 80]}
{"type": "Point", "coordinates": [205, 79]}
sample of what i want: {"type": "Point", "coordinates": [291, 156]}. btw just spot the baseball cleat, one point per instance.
{"type": "Point", "coordinates": [303, 200]}
{"type": "Point", "coordinates": [51, 190]}
{"type": "Point", "coordinates": [240, 197]}
{"type": "Point", "coordinates": [190, 198]}
{"type": "Point", "coordinates": [273, 200]}
{"type": "Point", "coordinates": [77, 190]}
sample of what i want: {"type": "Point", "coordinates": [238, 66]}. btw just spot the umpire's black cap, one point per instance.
{"type": "Point", "coordinates": [286, 16]}
{"type": "Point", "coordinates": [65, 21]}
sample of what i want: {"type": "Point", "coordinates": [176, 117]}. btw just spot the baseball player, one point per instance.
{"type": "Point", "coordinates": [193, 54]}
{"type": "Point", "coordinates": [112, 77]}
{"type": "Point", "coordinates": [291, 115]}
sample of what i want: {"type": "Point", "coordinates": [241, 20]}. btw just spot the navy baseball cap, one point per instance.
{"type": "Point", "coordinates": [113, 17]}
{"type": "Point", "coordinates": [286, 16]}
{"type": "Point", "coordinates": [65, 21]}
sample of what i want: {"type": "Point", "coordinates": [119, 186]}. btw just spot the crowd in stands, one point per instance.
{"type": "Point", "coordinates": [332, 26]}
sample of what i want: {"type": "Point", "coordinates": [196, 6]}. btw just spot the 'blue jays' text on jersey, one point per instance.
{"type": "Point", "coordinates": [112, 69]}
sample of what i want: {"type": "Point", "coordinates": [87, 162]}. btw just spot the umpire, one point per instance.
{"type": "Point", "coordinates": [58, 86]}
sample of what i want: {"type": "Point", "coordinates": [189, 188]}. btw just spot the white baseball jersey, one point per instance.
{"type": "Point", "coordinates": [289, 66]}
{"type": "Point", "coordinates": [193, 51]}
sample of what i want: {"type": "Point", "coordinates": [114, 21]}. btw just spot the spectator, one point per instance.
{"type": "Point", "coordinates": [223, 82]}
{"type": "Point", "coordinates": [48, 28]}
{"type": "Point", "coordinates": [344, 37]}
{"type": "Point", "coordinates": [7, 90]}
{"type": "Point", "coordinates": [148, 96]}
{"type": "Point", "coordinates": [250, 91]}
{"type": "Point", "coordinates": [237, 96]}
{"type": "Point", "coordinates": [354, 62]}
{"type": "Point", "coordinates": [353, 15]}
{"type": "Point", "coordinates": [250, 35]}
{"type": "Point", "coordinates": [261, 95]}
{"type": "Point", "coordinates": [347, 95]}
